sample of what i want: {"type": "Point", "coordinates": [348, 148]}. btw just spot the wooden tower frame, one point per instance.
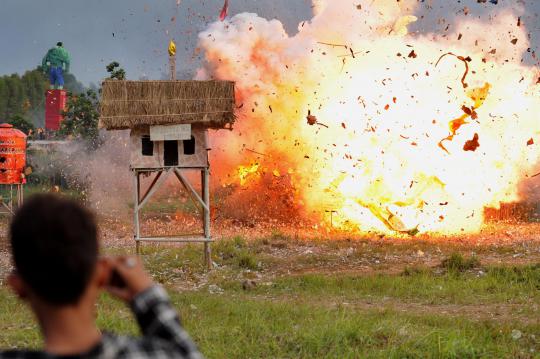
{"type": "Point", "coordinates": [203, 199]}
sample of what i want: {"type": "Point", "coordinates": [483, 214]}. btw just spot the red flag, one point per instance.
{"type": "Point", "coordinates": [224, 11]}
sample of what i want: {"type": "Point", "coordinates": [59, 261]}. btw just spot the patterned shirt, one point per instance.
{"type": "Point", "coordinates": [163, 335]}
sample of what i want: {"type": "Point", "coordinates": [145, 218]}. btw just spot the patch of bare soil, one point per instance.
{"type": "Point", "coordinates": [499, 312]}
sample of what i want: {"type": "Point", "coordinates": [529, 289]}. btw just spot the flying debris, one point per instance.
{"type": "Point", "coordinates": [472, 145]}
{"type": "Point", "coordinates": [311, 120]}
{"type": "Point", "coordinates": [465, 60]}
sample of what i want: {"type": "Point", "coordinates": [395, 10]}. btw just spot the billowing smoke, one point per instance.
{"type": "Point", "coordinates": [405, 131]}
{"type": "Point", "coordinates": [101, 177]}
{"type": "Point", "coordinates": [106, 171]}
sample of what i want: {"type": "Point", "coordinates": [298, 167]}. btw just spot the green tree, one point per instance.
{"type": "Point", "coordinates": [82, 117]}
{"type": "Point", "coordinates": [115, 71]}
{"type": "Point", "coordinates": [3, 97]}
{"type": "Point", "coordinates": [15, 96]}
{"type": "Point", "coordinates": [21, 123]}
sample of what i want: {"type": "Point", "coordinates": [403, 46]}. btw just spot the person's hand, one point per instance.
{"type": "Point", "coordinates": [127, 278]}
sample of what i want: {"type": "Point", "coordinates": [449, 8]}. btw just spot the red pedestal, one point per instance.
{"type": "Point", "coordinates": [55, 104]}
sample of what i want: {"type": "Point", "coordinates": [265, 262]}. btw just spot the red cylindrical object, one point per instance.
{"type": "Point", "coordinates": [55, 103]}
{"type": "Point", "coordinates": [12, 155]}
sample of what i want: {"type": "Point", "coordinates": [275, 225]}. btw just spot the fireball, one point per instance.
{"type": "Point", "coordinates": [405, 132]}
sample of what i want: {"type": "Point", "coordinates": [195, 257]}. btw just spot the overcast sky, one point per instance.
{"type": "Point", "coordinates": [28, 28]}
{"type": "Point", "coordinates": [133, 32]}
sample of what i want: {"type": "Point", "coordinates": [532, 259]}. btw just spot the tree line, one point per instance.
{"type": "Point", "coordinates": [22, 98]}
{"type": "Point", "coordinates": [22, 104]}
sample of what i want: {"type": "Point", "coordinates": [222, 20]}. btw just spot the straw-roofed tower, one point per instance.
{"type": "Point", "coordinates": [168, 123]}
{"type": "Point", "coordinates": [168, 119]}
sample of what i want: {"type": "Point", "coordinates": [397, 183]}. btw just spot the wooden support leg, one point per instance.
{"type": "Point", "coordinates": [22, 196]}
{"type": "Point", "coordinates": [206, 220]}
{"type": "Point", "coordinates": [136, 201]}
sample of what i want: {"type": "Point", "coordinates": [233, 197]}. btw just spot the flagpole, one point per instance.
{"type": "Point", "coordinates": [172, 65]}
{"type": "Point", "coordinates": [172, 59]}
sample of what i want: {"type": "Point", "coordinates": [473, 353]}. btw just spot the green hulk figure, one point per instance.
{"type": "Point", "coordinates": [55, 63]}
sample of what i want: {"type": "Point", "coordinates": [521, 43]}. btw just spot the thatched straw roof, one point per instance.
{"type": "Point", "coordinates": [129, 104]}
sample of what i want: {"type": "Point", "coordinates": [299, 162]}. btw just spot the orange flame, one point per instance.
{"type": "Point", "coordinates": [372, 151]}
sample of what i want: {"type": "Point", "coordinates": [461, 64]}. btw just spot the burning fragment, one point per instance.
{"type": "Point", "coordinates": [470, 111]}
{"type": "Point", "coordinates": [390, 220]}
{"type": "Point", "coordinates": [530, 142]}
{"type": "Point", "coordinates": [478, 95]}
{"type": "Point", "coordinates": [245, 172]}
{"type": "Point", "coordinates": [472, 145]}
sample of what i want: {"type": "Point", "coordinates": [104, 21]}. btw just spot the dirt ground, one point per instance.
{"type": "Point", "coordinates": [306, 249]}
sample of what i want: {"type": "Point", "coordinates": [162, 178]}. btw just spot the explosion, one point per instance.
{"type": "Point", "coordinates": [391, 130]}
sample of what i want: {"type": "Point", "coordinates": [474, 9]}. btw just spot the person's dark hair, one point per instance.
{"type": "Point", "coordinates": [59, 44]}
{"type": "Point", "coordinates": [55, 247]}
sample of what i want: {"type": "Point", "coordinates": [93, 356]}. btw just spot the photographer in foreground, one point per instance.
{"type": "Point", "coordinates": [59, 274]}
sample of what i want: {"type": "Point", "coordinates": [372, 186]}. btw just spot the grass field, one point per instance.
{"type": "Point", "coordinates": [254, 306]}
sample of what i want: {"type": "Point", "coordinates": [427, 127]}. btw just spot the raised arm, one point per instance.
{"type": "Point", "coordinates": [158, 319]}
{"type": "Point", "coordinates": [156, 316]}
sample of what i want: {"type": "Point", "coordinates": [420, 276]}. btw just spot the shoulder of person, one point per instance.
{"type": "Point", "coordinates": [22, 354]}
{"type": "Point", "coordinates": [120, 346]}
